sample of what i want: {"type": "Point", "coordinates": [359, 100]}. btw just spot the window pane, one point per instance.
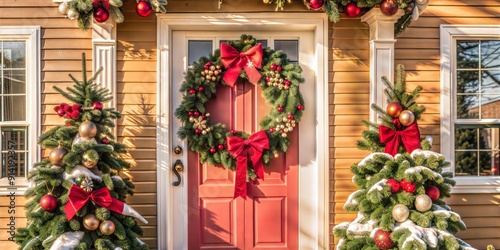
{"type": "Point", "coordinates": [466, 138]}
{"type": "Point", "coordinates": [264, 43]}
{"type": "Point", "coordinates": [467, 107]}
{"type": "Point", "coordinates": [490, 82]}
{"type": "Point", "coordinates": [290, 47]}
{"type": "Point", "coordinates": [490, 54]}
{"type": "Point", "coordinates": [14, 81]}
{"type": "Point", "coordinates": [467, 54]}
{"type": "Point", "coordinates": [495, 166]}
{"type": "Point", "coordinates": [467, 82]}
{"type": "Point", "coordinates": [465, 163]}
{"type": "Point", "coordinates": [490, 107]}
{"type": "Point", "coordinates": [14, 54]}
{"type": "Point", "coordinates": [14, 108]}
{"type": "Point", "coordinates": [14, 152]}
{"type": "Point", "coordinates": [197, 49]}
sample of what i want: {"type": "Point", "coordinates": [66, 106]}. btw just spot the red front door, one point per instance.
{"type": "Point", "coordinates": [268, 218]}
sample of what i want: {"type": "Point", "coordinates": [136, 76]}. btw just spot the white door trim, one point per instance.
{"type": "Point", "coordinates": [313, 177]}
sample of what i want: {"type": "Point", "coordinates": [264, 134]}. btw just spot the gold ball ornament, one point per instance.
{"type": "Point", "coordinates": [423, 203]}
{"type": "Point", "coordinates": [394, 109]}
{"type": "Point", "coordinates": [90, 222]}
{"type": "Point", "coordinates": [90, 158]}
{"type": "Point", "coordinates": [56, 156]}
{"type": "Point", "coordinates": [407, 118]}
{"type": "Point", "coordinates": [276, 155]}
{"type": "Point", "coordinates": [400, 212]}
{"type": "Point", "coordinates": [87, 130]}
{"type": "Point", "coordinates": [107, 227]}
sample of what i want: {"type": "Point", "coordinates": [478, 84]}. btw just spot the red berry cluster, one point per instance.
{"type": "Point", "coordinates": [71, 112]}
{"type": "Point", "coordinates": [407, 186]}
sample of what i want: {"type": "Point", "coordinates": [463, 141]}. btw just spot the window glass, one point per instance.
{"type": "Point", "coordinates": [14, 151]}
{"type": "Point", "coordinates": [290, 47]}
{"type": "Point", "coordinates": [478, 98]}
{"type": "Point", "coordinates": [197, 49]}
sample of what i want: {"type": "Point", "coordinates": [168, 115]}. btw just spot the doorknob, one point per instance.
{"type": "Point", "coordinates": [177, 150]}
{"type": "Point", "coordinates": [178, 167]}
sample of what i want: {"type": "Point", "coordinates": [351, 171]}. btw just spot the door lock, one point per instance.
{"type": "Point", "coordinates": [177, 168]}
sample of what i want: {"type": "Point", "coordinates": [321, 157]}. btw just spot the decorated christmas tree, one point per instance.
{"type": "Point", "coordinates": [401, 185]}
{"type": "Point", "coordinates": [78, 200]}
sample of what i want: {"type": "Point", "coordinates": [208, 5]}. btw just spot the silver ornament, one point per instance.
{"type": "Point", "coordinates": [63, 8]}
{"type": "Point", "coordinates": [423, 203]}
{"type": "Point", "coordinates": [400, 212]}
{"type": "Point", "coordinates": [73, 14]}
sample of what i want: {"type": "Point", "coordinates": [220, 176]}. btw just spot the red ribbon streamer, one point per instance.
{"type": "Point", "coordinates": [101, 197]}
{"type": "Point", "coordinates": [243, 149]}
{"type": "Point", "coordinates": [410, 137]}
{"type": "Point", "coordinates": [234, 61]}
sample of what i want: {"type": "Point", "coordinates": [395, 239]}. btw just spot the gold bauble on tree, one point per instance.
{"type": "Point", "coordinates": [90, 222]}
{"type": "Point", "coordinates": [423, 203]}
{"type": "Point", "coordinates": [400, 212]}
{"type": "Point", "coordinates": [56, 156]}
{"type": "Point", "coordinates": [90, 158]}
{"type": "Point", "coordinates": [87, 130]}
{"type": "Point", "coordinates": [394, 109]}
{"type": "Point", "coordinates": [107, 227]}
{"type": "Point", "coordinates": [407, 118]}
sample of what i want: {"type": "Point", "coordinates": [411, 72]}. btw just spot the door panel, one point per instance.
{"type": "Point", "coordinates": [268, 218]}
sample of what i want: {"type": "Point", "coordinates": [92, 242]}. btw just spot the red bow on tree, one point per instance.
{"type": "Point", "coordinates": [410, 137]}
{"type": "Point", "coordinates": [242, 149]}
{"type": "Point", "coordinates": [234, 61]}
{"type": "Point", "coordinates": [77, 198]}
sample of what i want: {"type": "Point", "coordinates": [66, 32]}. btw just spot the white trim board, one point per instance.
{"type": "Point", "coordinates": [313, 181]}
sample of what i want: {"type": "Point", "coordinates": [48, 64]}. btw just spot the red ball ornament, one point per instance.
{"type": "Point", "coordinates": [105, 140]}
{"type": "Point", "coordinates": [213, 150]}
{"type": "Point", "coordinates": [352, 9]}
{"type": "Point", "coordinates": [197, 131]}
{"type": "Point", "coordinates": [268, 78]}
{"type": "Point", "coordinates": [273, 66]}
{"type": "Point", "coordinates": [233, 131]}
{"type": "Point", "coordinates": [190, 113]}
{"type": "Point", "coordinates": [432, 192]}
{"type": "Point", "coordinates": [97, 105]}
{"type": "Point", "coordinates": [300, 107]}
{"type": "Point", "coordinates": [287, 82]}
{"type": "Point", "coordinates": [315, 4]}
{"type": "Point", "coordinates": [200, 88]}
{"type": "Point", "coordinates": [271, 130]}
{"type": "Point", "coordinates": [192, 91]}
{"type": "Point", "coordinates": [280, 108]}
{"type": "Point", "coordinates": [220, 147]}
{"type": "Point", "coordinates": [278, 68]}
{"type": "Point", "coordinates": [143, 8]}
{"type": "Point", "coordinates": [408, 186]}
{"type": "Point", "coordinates": [289, 116]}
{"type": "Point", "coordinates": [196, 113]}
{"type": "Point", "coordinates": [389, 7]}
{"type": "Point", "coordinates": [60, 112]}
{"type": "Point", "coordinates": [396, 123]}
{"type": "Point", "coordinates": [383, 239]}
{"type": "Point", "coordinates": [101, 14]}
{"type": "Point", "coordinates": [395, 187]}
{"type": "Point", "coordinates": [394, 109]}
{"type": "Point", "coordinates": [48, 202]}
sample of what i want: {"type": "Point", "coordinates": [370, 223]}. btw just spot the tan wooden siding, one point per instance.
{"type": "Point", "coordinates": [349, 97]}
{"type": "Point", "coordinates": [418, 49]}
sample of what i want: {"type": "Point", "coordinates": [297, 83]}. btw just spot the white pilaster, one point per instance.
{"type": "Point", "coordinates": [381, 53]}
{"type": "Point", "coordinates": [104, 54]}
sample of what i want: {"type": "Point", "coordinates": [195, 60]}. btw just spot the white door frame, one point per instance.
{"type": "Point", "coordinates": [313, 176]}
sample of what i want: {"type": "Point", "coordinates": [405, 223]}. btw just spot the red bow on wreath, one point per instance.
{"type": "Point", "coordinates": [242, 149]}
{"type": "Point", "coordinates": [410, 136]}
{"type": "Point", "coordinates": [234, 61]}
{"type": "Point", "coordinates": [77, 198]}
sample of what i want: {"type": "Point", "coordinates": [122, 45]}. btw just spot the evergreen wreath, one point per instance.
{"type": "Point", "coordinates": [279, 80]}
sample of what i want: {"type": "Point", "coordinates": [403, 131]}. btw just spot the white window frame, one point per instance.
{"type": "Point", "coordinates": [30, 34]}
{"type": "Point", "coordinates": [449, 35]}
